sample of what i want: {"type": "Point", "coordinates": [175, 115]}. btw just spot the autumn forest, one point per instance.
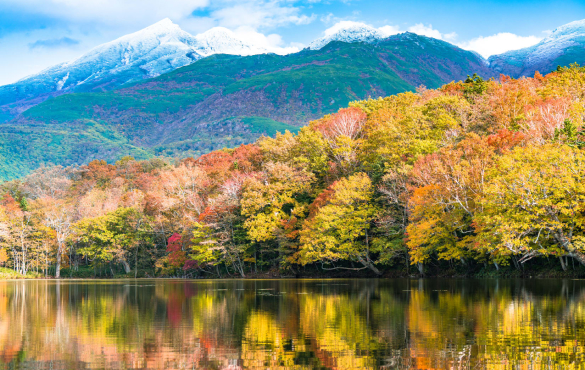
{"type": "Point", "coordinates": [476, 177]}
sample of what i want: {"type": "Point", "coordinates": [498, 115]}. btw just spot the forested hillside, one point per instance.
{"type": "Point", "coordinates": [471, 177]}
{"type": "Point", "coordinates": [224, 101]}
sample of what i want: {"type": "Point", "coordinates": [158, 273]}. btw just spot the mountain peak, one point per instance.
{"type": "Point", "coordinates": [562, 47]}
{"type": "Point", "coordinates": [348, 31]}
{"type": "Point", "coordinates": [160, 28]}
{"type": "Point", "coordinates": [220, 40]}
{"type": "Point", "coordinates": [164, 22]}
{"type": "Point", "coordinates": [570, 29]}
{"type": "Point", "coordinates": [135, 46]}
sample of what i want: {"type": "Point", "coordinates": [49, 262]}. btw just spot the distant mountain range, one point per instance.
{"type": "Point", "coordinates": [158, 49]}
{"type": "Point", "coordinates": [164, 47]}
{"type": "Point", "coordinates": [161, 91]}
{"type": "Point", "coordinates": [225, 100]}
{"type": "Point", "coordinates": [565, 45]}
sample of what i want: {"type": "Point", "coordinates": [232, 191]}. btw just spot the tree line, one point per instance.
{"type": "Point", "coordinates": [473, 173]}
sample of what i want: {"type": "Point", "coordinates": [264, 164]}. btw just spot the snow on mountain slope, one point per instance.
{"type": "Point", "coordinates": [150, 52]}
{"type": "Point", "coordinates": [139, 51]}
{"type": "Point", "coordinates": [163, 41]}
{"type": "Point", "coordinates": [348, 32]}
{"type": "Point", "coordinates": [565, 45]}
{"type": "Point", "coordinates": [220, 40]}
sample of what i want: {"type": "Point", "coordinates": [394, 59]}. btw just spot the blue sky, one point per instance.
{"type": "Point", "coordinates": [35, 34]}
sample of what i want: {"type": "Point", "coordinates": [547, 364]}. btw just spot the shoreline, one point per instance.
{"type": "Point", "coordinates": [551, 274]}
{"type": "Point", "coordinates": [542, 268]}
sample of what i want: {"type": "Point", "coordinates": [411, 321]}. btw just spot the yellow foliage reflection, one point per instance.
{"type": "Point", "coordinates": [293, 324]}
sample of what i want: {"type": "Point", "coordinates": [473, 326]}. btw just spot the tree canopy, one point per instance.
{"type": "Point", "coordinates": [475, 173]}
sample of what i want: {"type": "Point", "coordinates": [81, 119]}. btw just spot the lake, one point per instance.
{"type": "Point", "coordinates": [292, 324]}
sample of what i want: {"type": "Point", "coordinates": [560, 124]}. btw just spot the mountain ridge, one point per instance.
{"type": "Point", "coordinates": [150, 52]}
{"type": "Point", "coordinates": [565, 45]}
{"type": "Point", "coordinates": [351, 32]}
{"type": "Point", "coordinates": [225, 100]}
{"type": "Point", "coordinates": [217, 101]}
{"type": "Point", "coordinates": [164, 47]}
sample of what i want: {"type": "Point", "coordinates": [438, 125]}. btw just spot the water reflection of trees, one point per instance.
{"type": "Point", "coordinates": [354, 324]}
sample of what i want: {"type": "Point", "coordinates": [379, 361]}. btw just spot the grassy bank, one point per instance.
{"type": "Point", "coordinates": [6, 273]}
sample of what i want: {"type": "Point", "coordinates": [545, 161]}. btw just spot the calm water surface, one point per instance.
{"type": "Point", "coordinates": [293, 324]}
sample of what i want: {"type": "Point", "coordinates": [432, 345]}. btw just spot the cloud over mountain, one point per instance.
{"type": "Point", "coordinates": [499, 43]}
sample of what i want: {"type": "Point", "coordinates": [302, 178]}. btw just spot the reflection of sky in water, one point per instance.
{"type": "Point", "coordinates": [341, 324]}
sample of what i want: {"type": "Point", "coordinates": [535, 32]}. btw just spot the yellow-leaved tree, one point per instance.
{"type": "Point", "coordinates": [272, 206]}
{"type": "Point", "coordinates": [534, 203]}
{"type": "Point", "coordinates": [338, 230]}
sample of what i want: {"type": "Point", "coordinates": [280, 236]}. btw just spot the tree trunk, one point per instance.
{"type": "Point", "coordinates": [578, 256]}
{"type": "Point", "coordinates": [566, 245]}
{"type": "Point", "coordinates": [515, 263]}
{"type": "Point", "coordinates": [238, 266]}
{"type": "Point", "coordinates": [420, 268]}
{"type": "Point", "coordinates": [369, 265]}
{"type": "Point", "coordinates": [23, 266]}
{"type": "Point", "coordinates": [58, 264]}
{"type": "Point", "coordinates": [373, 268]}
{"type": "Point", "coordinates": [126, 265]}
{"type": "Point", "coordinates": [563, 263]}
{"type": "Point", "coordinates": [136, 262]}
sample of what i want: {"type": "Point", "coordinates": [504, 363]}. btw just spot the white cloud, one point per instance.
{"type": "Point", "coordinates": [429, 31]}
{"type": "Point", "coordinates": [450, 36]}
{"type": "Point", "coordinates": [132, 14]}
{"type": "Point", "coordinates": [263, 14]}
{"type": "Point", "coordinates": [342, 25]}
{"type": "Point", "coordinates": [297, 45]}
{"type": "Point", "coordinates": [389, 30]}
{"type": "Point", "coordinates": [195, 25]}
{"type": "Point", "coordinates": [248, 17]}
{"type": "Point", "coordinates": [272, 42]}
{"type": "Point", "coordinates": [345, 24]}
{"type": "Point", "coordinates": [109, 12]}
{"type": "Point", "coordinates": [94, 22]}
{"type": "Point", "coordinates": [499, 43]}
{"type": "Point", "coordinates": [421, 29]}
{"type": "Point", "coordinates": [329, 18]}
{"type": "Point", "coordinates": [485, 46]}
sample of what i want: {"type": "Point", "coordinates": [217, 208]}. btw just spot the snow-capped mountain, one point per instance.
{"type": "Point", "coordinates": [220, 40]}
{"type": "Point", "coordinates": [563, 46]}
{"type": "Point", "coordinates": [349, 32]}
{"type": "Point", "coordinates": [155, 50]}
